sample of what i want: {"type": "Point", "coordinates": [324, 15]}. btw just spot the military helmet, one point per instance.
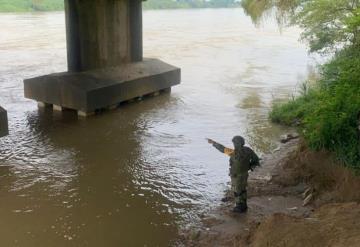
{"type": "Point", "coordinates": [238, 141]}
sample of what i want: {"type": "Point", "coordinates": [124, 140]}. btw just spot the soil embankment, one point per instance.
{"type": "Point", "coordinates": [297, 198]}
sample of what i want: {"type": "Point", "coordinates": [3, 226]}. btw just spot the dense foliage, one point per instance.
{"type": "Point", "coordinates": [328, 24]}
{"type": "Point", "coordinates": [49, 5]}
{"type": "Point", "coordinates": [328, 109]}
{"type": "Point", "coordinates": [328, 112]}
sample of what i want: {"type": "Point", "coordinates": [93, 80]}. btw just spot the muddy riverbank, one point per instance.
{"type": "Point", "coordinates": [297, 198]}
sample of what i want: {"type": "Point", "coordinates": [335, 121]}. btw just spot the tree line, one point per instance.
{"type": "Point", "coordinates": [57, 5]}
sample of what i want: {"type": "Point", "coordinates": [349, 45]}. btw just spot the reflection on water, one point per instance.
{"type": "Point", "coordinates": [135, 176]}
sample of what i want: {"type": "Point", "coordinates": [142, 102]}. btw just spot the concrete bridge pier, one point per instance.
{"type": "Point", "coordinates": [3, 122]}
{"type": "Point", "coordinates": [105, 60]}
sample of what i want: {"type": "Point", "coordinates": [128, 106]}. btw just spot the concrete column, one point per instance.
{"type": "Point", "coordinates": [136, 30]}
{"type": "Point", "coordinates": [104, 39]}
{"type": "Point", "coordinates": [3, 122]}
{"type": "Point", "coordinates": [103, 33]}
{"type": "Point", "coordinates": [72, 36]}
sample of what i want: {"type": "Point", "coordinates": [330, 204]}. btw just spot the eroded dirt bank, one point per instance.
{"type": "Point", "coordinates": [297, 198]}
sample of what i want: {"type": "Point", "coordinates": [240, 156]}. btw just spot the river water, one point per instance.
{"type": "Point", "coordinates": [138, 175]}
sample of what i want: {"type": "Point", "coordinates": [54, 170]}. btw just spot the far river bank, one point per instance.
{"type": "Point", "coordinates": [31, 6]}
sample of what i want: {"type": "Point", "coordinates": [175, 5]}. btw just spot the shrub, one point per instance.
{"type": "Point", "coordinates": [328, 114]}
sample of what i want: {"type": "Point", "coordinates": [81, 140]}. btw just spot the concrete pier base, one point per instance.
{"type": "Point", "coordinates": [83, 114]}
{"type": "Point", "coordinates": [57, 108]}
{"type": "Point", "coordinates": [105, 60]}
{"type": "Point", "coordinates": [3, 122]}
{"type": "Point", "coordinates": [44, 105]}
{"type": "Point", "coordinates": [94, 90]}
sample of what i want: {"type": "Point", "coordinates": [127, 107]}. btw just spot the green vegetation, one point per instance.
{"type": "Point", "coordinates": [176, 4]}
{"type": "Point", "coordinates": [30, 5]}
{"type": "Point", "coordinates": [51, 5]}
{"type": "Point", "coordinates": [327, 110]}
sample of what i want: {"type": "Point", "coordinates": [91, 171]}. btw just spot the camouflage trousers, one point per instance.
{"type": "Point", "coordinates": [239, 184]}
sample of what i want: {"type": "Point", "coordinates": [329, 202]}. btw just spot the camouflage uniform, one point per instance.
{"type": "Point", "coordinates": [242, 159]}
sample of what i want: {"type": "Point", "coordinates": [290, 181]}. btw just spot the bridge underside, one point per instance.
{"type": "Point", "coordinates": [3, 122]}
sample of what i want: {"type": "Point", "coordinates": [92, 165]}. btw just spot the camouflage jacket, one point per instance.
{"type": "Point", "coordinates": [241, 160]}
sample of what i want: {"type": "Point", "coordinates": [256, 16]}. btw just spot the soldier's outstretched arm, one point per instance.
{"type": "Point", "coordinates": [221, 148]}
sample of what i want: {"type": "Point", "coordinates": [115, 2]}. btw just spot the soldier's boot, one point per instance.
{"type": "Point", "coordinates": [240, 208]}
{"type": "Point", "coordinates": [241, 202]}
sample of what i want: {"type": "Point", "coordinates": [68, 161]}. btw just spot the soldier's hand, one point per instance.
{"type": "Point", "coordinates": [210, 141]}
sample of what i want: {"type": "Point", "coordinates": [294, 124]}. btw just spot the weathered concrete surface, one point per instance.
{"type": "Point", "coordinates": [103, 33]}
{"type": "Point", "coordinates": [3, 122]}
{"type": "Point", "coordinates": [105, 59]}
{"type": "Point", "coordinates": [92, 90]}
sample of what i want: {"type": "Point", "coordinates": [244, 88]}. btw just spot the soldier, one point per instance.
{"type": "Point", "coordinates": [242, 159]}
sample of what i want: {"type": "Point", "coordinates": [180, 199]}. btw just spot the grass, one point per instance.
{"type": "Point", "coordinates": [328, 112]}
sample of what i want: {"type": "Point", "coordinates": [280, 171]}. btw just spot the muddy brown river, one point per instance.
{"type": "Point", "coordinates": [138, 175]}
